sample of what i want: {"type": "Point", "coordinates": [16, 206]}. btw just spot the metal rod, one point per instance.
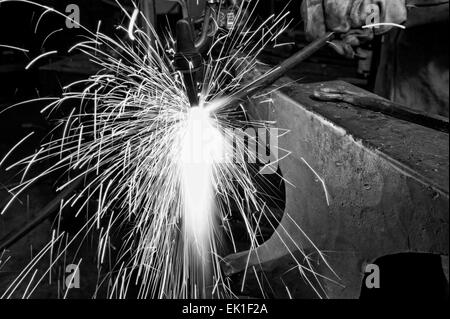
{"type": "Point", "coordinates": [384, 106]}
{"type": "Point", "coordinates": [278, 72]}
{"type": "Point", "coordinates": [14, 236]}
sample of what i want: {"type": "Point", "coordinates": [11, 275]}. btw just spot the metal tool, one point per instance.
{"type": "Point", "coordinates": [377, 104]}
{"type": "Point", "coordinates": [189, 62]}
{"type": "Point", "coordinates": [279, 71]}
{"type": "Point", "coordinates": [188, 59]}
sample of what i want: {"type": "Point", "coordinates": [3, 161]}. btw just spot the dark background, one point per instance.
{"type": "Point", "coordinates": [405, 275]}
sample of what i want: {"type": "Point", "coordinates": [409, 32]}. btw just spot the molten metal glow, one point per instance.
{"type": "Point", "coordinates": [202, 148]}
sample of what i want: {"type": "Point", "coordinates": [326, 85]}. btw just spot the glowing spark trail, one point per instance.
{"type": "Point", "coordinates": [14, 48]}
{"type": "Point", "coordinates": [132, 23]}
{"type": "Point", "coordinates": [374, 25]}
{"type": "Point", "coordinates": [39, 57]}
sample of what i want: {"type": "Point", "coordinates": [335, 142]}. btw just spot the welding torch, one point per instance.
{"type": "Point", "coordinates": [188, 59]}
{"type": "Point", "coordinates": [189, 62]}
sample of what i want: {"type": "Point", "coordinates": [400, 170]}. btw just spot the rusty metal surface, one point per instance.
{"type": "Point", "coordinates": [420, 151]}
{"type": "Point", "coordinates": [387, 182]}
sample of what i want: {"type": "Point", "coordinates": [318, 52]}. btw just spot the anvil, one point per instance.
{"type": "Point", "coordinates": [386, 186]}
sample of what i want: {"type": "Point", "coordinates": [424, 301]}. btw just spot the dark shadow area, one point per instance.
{"type": "Point", "coordinates": [409, 276]}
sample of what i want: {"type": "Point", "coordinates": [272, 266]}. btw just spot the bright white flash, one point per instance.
{"type": "Point", "coordinates": [202, 148]}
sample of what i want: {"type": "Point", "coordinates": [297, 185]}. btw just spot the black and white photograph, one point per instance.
{"type": "Point", "coordinates": [224, 158]}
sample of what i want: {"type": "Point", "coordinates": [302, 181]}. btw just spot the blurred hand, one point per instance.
{"type": "Point", "coordinates": [347, 17]}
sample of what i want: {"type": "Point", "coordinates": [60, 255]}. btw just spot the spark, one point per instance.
{"type": "Point", "coordinates": [374, 25]}
{"type": "Point", "coordinates": [15, 147]}
{"type": "Point", "coordinates": [132, 23]}
{"type": "Point", "coordinates": [279, 45]}
{"type": "Point", "coordinates": [49, 35]}
{"type": "Point", "coordinates": [14, 48]}
{"type": "Point", "coordinates": [322, 181]}
{"type": "Point", "coordinates": [40, 57]}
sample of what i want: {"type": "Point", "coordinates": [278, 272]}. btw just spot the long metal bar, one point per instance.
{"type": "Point", "coordinates": [14, 236]}
{"type": "Point", "coordinates": [278, 72]}
{"type": "Point", "coordinates": [386, 107]}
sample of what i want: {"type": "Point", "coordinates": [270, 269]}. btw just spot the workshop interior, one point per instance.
{"type": "Point", "coordinates": [224, 149]}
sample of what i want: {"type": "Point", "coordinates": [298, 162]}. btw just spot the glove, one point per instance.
{"type": "Point", "coordinates": [347, 17]}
